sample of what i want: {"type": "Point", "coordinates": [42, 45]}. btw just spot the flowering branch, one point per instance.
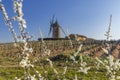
{"type": "Point", "coordinates": [109, 29]}
{"type": "Point", "coordinates": [8, 23]}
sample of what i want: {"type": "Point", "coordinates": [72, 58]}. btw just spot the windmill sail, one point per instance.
{"type": "Point", "coordinates": [63, 31]}
{"type": "Point", "coordinates": [51, 25]}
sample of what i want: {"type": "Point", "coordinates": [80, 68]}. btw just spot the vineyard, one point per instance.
{"type": "Point", "coordinates": [56, 59]}
{"type": "Point", "coordinates": [62, 59]}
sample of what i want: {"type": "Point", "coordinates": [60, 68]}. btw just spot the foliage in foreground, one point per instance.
{"type": "Point", "coordinates": [9, 73]}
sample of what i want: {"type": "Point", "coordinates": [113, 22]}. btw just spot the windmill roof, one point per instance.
{"type": "Point", "coordinates": [56, 23]}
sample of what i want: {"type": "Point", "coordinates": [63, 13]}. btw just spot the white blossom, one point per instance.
{"type": "Point", "coordinates": [98, 65]}
{"type": "Point", "coordinates": [50, 62]}
{"type": "Point", "coordinates": [79, 49]}
{"type": "Point", "coordinates": [24, 62]}
{"type": "Point", "coordinates": [99, 61]}
{"type": "Point", "coordinates": [33, 77]}
{"type": "Point", "coordinates": [72, 58]}
{"type": "Point", "coordinates": [30, 50]}
{"type": "Point", "coordinates": [118, 77]}
{"type": "Point", "coordinates": [47, 52]}
{"type": "Point", "coordinates": [16, 78]}
{"type": "Point", "coordinates": [4, 13]}
{"type": "Point", "coordinates": [76, 78]}
{"type": "Point", "coordinates": [55, 71]}
{"type": "Point", "coordinates": [65, 69]}
{"type": "Point", "coordinates": [112, 77]}
{"type": "Point", "coordinates": [105, 50]}
{"type": "Point", "coordinates": [111, 65]}
{"type": "Point", "coordinates": [84, 69]}
{"type": "Point", "coordinates": [111, 59]}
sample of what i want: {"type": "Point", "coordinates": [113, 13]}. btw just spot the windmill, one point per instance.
{"type": "Point", "coordinates": [55, 29]}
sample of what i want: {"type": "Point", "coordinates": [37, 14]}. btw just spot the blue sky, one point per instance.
{"type": "Point", "coordinates": [84, 17]}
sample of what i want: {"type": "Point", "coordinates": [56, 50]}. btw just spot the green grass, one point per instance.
{"type": "Point", "coordinates": [9, 69]}
{"type": "Point", "coordinates": [10, 73]}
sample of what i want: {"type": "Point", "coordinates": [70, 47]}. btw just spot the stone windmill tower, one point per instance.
{"type": "Point", "coordinates": [55, 29]}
